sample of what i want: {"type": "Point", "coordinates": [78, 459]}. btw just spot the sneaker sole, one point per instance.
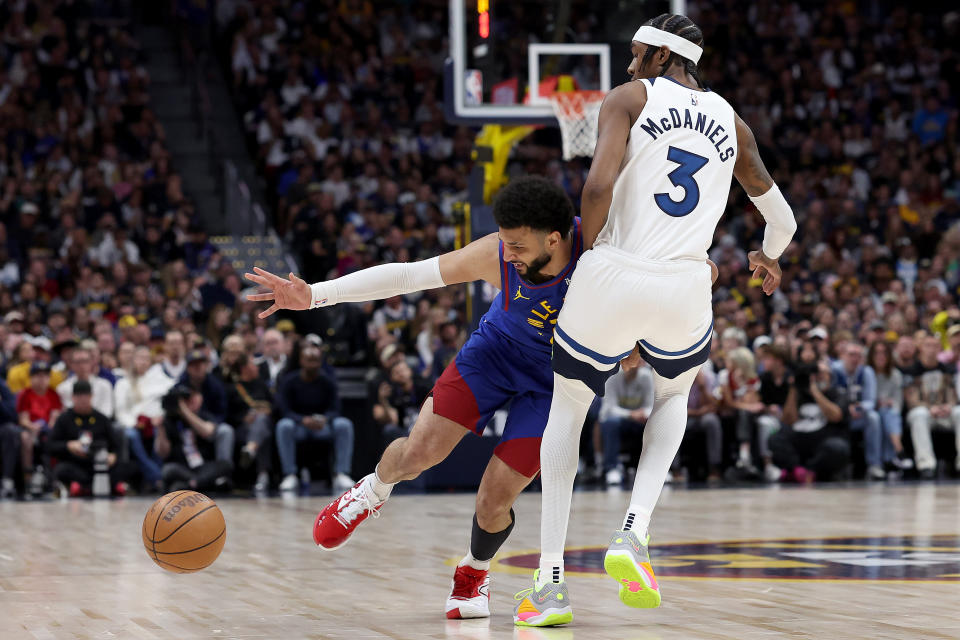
{"type": "Point", "coordinates": [620, 566]}
{"type": "Point", "coordinates": [549, 618]}
{"type": "Point", "coordinates": [465, 613]}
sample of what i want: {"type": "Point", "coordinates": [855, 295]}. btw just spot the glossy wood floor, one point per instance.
{"type": "Point", "coordinates": [78, 570]}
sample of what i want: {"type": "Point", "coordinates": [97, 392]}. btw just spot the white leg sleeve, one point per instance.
{"type": "Point", "coordinates": [559, 454]}
{"type": "Point", "coordinates": [661, 441]}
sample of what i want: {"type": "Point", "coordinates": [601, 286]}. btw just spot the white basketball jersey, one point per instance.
{"type": "Point", "coordinates": [675, 178]}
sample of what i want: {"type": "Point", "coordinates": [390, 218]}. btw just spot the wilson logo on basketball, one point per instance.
{"type": "Point", "coordinates": [189, 501]}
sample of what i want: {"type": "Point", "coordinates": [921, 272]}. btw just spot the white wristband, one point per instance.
{"type": "Point", "coordinates": [781, 224]}
{"type": "Point", "coordinates": [321, 294]}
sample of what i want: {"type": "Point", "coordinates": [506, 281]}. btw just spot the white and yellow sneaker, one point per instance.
{"type": "Point", "coordinates": [628, 562]}
{"type": "Point", "coordinates": [544, 607]}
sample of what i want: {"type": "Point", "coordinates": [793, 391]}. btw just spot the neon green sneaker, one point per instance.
{"type": "Point", "coordinates": [544, 607]}
{"type": "Point", "coordinates": [628, 562]}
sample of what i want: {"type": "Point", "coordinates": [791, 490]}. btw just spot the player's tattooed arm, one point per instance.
{"type": "Point", "coordinates": [617, 114]}
{"type": "Point", "coordinates": [749, 169]}
{"type": "Point", "coordinates": [479, 260]}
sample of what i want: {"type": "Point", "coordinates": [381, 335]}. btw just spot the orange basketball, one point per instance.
{"type": "Point", "coordinates": [184, 531]}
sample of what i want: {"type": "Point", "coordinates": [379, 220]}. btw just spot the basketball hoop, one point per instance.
{"type": "Point", "coordinates": [577, 112]}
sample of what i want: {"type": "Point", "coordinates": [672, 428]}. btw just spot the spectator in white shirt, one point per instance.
{"type": "Point", "coordinates": [81, 368]}
{"type": "Point", "coordinates": [174, 361]}
{"type": "Point", "coordinates": [139, 409]}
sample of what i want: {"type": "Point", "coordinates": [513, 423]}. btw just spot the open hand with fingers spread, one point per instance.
{"type": "Point", "coordinates": [766, 268]}
{"type": "Point", "coordinates": [292, 293]}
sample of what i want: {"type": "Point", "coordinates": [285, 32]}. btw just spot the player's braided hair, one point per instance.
{"type": "Point", "coordinates": [685, 28]}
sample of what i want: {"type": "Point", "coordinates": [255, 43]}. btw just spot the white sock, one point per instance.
{"type": "Point", "coordinates": [661, 441]}
{"type": "Point", "coordinates": [637, 520]}
{"type": "Point", "coordinates": [559, 455]}
{"type": "Point", "coordinates": [551, 569]}
{"type": "Point", "coordinates": [380, 488]}
{"type": "Point", "coordinates": [473, 563]}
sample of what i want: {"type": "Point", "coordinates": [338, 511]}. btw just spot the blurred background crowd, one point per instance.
{"type": "Point", "coordinates": [127, 347]}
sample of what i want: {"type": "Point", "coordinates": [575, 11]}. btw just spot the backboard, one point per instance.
{"type": "Point", "coordinates": [507, 55]}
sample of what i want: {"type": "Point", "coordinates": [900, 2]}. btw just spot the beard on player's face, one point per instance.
{"type": "Point", "coordinates": [530, 271]}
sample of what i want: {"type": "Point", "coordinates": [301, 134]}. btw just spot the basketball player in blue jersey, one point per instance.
{"type": "Point", "coordinates": [507, 359]}
{"type": "Point", "coordinates": [667, 150]}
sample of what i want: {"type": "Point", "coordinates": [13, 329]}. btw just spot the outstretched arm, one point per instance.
{"type": "Point", "coordinates": [765, 195]}
{"type": "Point", "coordinates": [613, 132]}
{"type": "Point", "coordinates": [479, 260]}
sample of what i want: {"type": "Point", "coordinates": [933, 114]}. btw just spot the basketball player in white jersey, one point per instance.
{"type": "Point", "coordinates": [665, 156]}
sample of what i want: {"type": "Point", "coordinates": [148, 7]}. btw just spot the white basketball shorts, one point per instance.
{"type": "Point", "coordinates": [616, 301]}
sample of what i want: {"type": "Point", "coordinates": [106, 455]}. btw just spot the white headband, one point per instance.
{"type": "Point", "coordinates": [659, 38]}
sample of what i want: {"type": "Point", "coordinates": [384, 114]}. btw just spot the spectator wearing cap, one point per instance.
{"type": "Point", "coordinates": [78, 435]}
{"type": "Point", "coordinates": [190, 446]}
{"type": "Point", "coordinates": [310, 408]}
{"type": "Point", "coordinates": [819, 338]}
{"type": "Point", "coordinates": [876, 332]}
{"type": "Point", "coordinates": [81, 369]}
{"type": "Point", "coordinates": [9, 441]}
{"type": "Point", "coordinates": [139, 412]}
{"type": "Point", "coordinates": [14, 320]}
{"type": "Point", "coordinates": [18, 376]}
{"type": "Point", "coordinates": [198, 378]}
{"type": "Point", "coordinates": [273, 362]}
{"type": "Point", "coordinates": [38, 406]}
{"type": "Point", "coordinates": [859, 381]}
{"type": "Point", "coordinates": [932, 403]}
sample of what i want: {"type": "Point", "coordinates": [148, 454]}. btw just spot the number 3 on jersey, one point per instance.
{"type": "Point", "coordinates": [682, 176]}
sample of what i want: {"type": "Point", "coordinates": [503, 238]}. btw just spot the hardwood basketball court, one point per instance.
{"type": "Point", "coordinates": [847, 562]}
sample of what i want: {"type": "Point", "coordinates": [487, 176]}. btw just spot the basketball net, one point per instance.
{"type": "Point", "coordinates": [578, 113]}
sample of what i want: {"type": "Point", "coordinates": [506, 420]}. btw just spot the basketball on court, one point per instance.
{"type": "Point", "coordinates": [184, 532]}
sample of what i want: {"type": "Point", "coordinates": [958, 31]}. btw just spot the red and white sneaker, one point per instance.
{"type": "Point", "coordinates": [338, 520]}
{"type": "Point", "coordinates": [470, 594]}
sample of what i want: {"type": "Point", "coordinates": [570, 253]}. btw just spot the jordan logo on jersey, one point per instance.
{"type": "Point", "coordinates": [520, 295]}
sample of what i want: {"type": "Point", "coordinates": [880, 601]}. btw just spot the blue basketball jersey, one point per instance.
{"type": "Point", "coordinates": [527, 313]}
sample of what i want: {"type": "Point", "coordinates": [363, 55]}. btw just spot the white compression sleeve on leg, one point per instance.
{"type": "Point", "coordinates": [377, 283]}
{"type": "Point", "coordinates": [661, 441]}
{"type": "Point", "coordinates": [781, 224]}
{"type": "Point", "coordinates": [559, 454]}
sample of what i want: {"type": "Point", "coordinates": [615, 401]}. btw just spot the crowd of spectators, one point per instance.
{"type": "Point", "coordinates": [119, 313]}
